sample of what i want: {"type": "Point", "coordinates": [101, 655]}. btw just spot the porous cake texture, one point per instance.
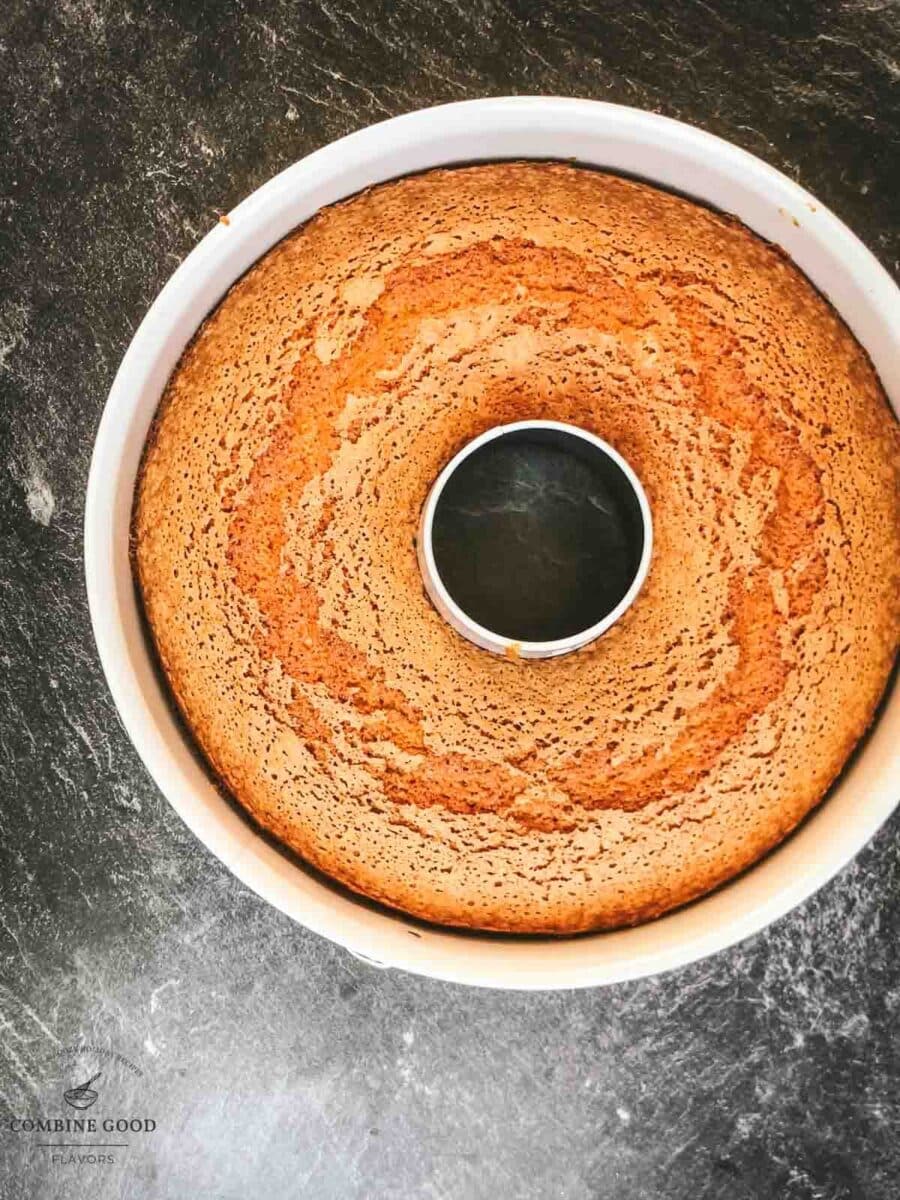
{"type": "Point", "coordinates": [277, 509]}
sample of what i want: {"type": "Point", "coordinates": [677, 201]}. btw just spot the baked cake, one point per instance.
{"type": "Point", "coordinates": [281, 488]}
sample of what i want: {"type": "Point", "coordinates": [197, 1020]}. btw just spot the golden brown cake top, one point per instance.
{"type": "Point", "coordinates": [281, 490]}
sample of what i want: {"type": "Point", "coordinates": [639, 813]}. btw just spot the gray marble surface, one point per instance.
{"type": "Point", "coordinates": [537, 537]}
{"type": "Point", "coordinates": [273, 1064]}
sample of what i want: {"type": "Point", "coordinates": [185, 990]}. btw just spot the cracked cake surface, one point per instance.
{"type": "Point", "coordinates": [277, 507]}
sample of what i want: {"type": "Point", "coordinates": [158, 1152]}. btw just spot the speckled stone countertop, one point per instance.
{"type": "Point", "coordinates": [272, 1063]}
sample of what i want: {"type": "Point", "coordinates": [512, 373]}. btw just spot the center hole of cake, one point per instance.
{"type": "Point", "coordinates": [537, 535]}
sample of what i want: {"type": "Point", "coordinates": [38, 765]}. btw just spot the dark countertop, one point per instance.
{"type": "Point", "coordinates": [273, 1063]}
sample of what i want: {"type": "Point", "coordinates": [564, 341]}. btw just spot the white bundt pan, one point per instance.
{"type": "Point", "coordinates": [655, 149]}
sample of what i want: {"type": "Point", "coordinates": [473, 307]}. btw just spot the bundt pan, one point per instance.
{"type": "Point", "coordinates": [648, 147]}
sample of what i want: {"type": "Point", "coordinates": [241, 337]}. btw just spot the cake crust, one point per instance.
{"type": "Point", "coordinates": [279, 496]}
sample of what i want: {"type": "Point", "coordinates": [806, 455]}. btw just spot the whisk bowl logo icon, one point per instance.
{"type": "Point", "coordinates": [83, 1095]}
